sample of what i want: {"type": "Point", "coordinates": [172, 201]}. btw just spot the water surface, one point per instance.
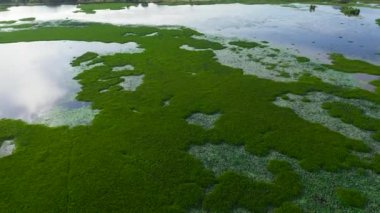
{"type": "Point", "coordinates": [36, 76]}
{"type": "Point", "coordinates": [314, 34]}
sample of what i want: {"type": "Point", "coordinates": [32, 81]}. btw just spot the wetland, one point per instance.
{"type": "Point", "coordinates": [189, 108]}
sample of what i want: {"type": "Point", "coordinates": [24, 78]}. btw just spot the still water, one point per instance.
{"type": "Point", "coordinates": [314, 34]}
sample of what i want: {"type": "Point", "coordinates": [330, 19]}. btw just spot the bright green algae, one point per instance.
{"type": "Point", "coordinates": [135, 155]}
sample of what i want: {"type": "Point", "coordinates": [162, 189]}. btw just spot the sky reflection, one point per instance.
{"type": "Point", "coordinates": [36, 76]}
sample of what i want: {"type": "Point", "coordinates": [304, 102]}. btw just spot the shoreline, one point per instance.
{"type": "Point", "coordinates": [5, 6]}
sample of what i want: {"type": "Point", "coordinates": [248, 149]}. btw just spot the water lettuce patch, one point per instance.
{"type": "Point", "coordinates": [141, 154]}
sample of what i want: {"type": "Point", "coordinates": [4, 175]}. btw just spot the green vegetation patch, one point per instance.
{"type": "Point", "coordinates": [302, 59]}
{"type": "Point", "coordinates": [319, 187]}
{"type": "Point", "coordinates": [88, 56]}
{"type": "Point", "coordinates": [233, 190]}
{"type": "Point", "coordinates": [353, 115]}
{"type": "Point", "coordinates": [350, 11]}
{"type": "Point", "coordinates": [135, 154]}
{"type": "Point", "coordinates": [313, 111]}
{"type": "Point", "coordinates": [28, 19]}
{"type": "Point", "coordinates": [8, 22]}
{"type": "Point", "coordinates": [343, 64]}
{"type": "Point", "coordinates": [351, 197]}
{"type": "Point", "coordinates": [246, 44]}
{"type": "Point", "coordinates": [91, 8]}
{"type": "Point", "coordinates": [3, 8]}
{"type": "Point", "coordinates": [378, 21]}
{"type": "Point", "coordinates": [376, 163]}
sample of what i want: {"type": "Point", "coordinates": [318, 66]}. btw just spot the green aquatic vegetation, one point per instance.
{"type": "Point", "coordinates": [223, 158]}
{"type": "Point", "coordinates": [284, 74]}
{"type": "Point", "coordinates": [376, 83]}
{"type": "Point", "coordinates": [343, 64]}
{"type": "Point", "coordinates": [3, 8]}
{"type": "Point", "coordinates": [8, 22]}
{"type": "Point", "coordinates": [91, 8]}
{"type": "Point", "coordinates": [288, 207]}
{"type": "Point", "coordinates": [246, 44]}
{"type": "Point", "coordinates": [378, 21]}
{"type": "Point", "coordinates": [233, 190]}
{"type": "Point", "coordinates": [28, 19]}
{"type": "Point", "coordinates": [319, 187]}
{"type": "Point", "coordinates": [350, 11]}
{"type": "Point", "coordinates": [259, 62]}
{"type": "Point", "coordinates": [353, 115]}
{"type": "Point", "coordinates": [376, 163]}
{"type": "Point", "coordinates": [302, 59]}
{"type": "Point", "coordinates": [351, 197]}
{"type": "Point", "coordinates": [316, 110]}
{"type": "Point", "coordinates": [84, 58]}
{"type": "Point", "coordinates": [134, 155]}
{"type": "Point", "coordinates": [18, 26]}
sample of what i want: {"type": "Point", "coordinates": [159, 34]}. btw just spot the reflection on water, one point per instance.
{"type": "Point", "coordinates": [313, 34]}
{"type": "Point", "coordinates": [36, 76]}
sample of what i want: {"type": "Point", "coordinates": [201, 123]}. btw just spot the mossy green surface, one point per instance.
{"type": "Point", "coordinates": [341, 63]}
{"type": "Point", "coordinates": [134, 157]}
{"type": "Point", "coordinates": [351, 197]}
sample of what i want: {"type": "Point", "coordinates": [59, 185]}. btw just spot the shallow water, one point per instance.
{"type": "Point", "coordinates": [312, 34]}
{"type": "Point", "coordinates": [7, 148]}
{"type": "Point", "coordinates": [36, 76]}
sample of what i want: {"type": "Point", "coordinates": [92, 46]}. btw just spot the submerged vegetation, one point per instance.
{"type": "Point", "coordinates": [181, 130]}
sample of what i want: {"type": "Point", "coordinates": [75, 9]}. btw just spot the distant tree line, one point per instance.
{"type": "Point", "coordinates": [91, 1]}
{"type": "Point", "coordinates": [57, 1]}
